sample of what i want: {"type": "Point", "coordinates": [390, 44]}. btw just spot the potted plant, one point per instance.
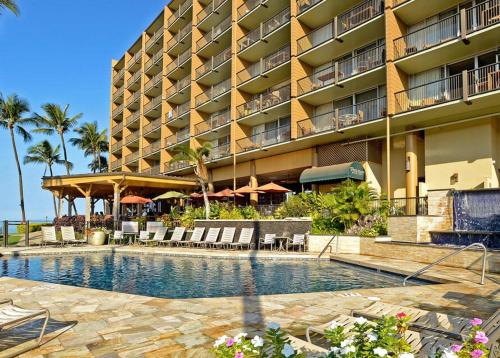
{"type": "Point", "coordinates": [98, 236]}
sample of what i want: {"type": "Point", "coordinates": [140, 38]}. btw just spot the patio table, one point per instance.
{"type": "Point", "coordinates": [282, 242]}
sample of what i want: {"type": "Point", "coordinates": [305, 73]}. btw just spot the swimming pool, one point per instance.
{"type": "Point", "coordinates": [194, 277]}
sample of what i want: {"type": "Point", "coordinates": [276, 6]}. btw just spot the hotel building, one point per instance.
{"type": "Point", "coordinates": [292, 91]}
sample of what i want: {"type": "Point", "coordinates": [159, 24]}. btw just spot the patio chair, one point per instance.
{"type": "Point", "coordinates": [211, 238]}
{"type": "Point", "coordinates": [144, 235]}
{"type": "Point", "coordinates": [12, 316]}
{"type": "Point", "coordinates": [117, 236]}
{"type": "Point", "coordinates": [153, 226]}
{"type": "Point", "coordinates": [49, 236]}
{"type": "Point", "coordinates": [69, 237]}
{"type": "Point", "coordinates": [268, 239]}
{"type": "Point", "coordinates": [195, 238]}
{"type": "Point", "coordinates": [227, 237]}
{"type": "Point", "coordinates": [245, 238]}
{"type": "Point", "coordinates": [298, 240]}
{"type": "Point", "coordinates": [158, 237]}
{"type": "Point", "coordinates": [177, 236]}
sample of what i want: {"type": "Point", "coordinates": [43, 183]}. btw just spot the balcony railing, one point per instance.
{"type": "Point", "coordinates": [117, 129]}
{"type": "Point", "coordinates": [215, 121]}
{"type": "Point", "coordinates": [177, 138]}
{"type": "Point", "coordinates": [178, 86]}
{"type": "Point", "coordinates": [215, 32]}
{"type": "Point", "coordinates": [264, 101]}
{"type": "Point", "coordinates": [178, 165]}
{"type": "Point", "coordinates": [398, 2]}
{"type": "Point", "coordinates": [219, 152]}
{"type": "Point", "coordinates": [303, 5]}
{"type": "Point", "coordinates": [347, 21]}
{"type": "Point", "coordinates": [154, 170]}
{"type": "Point", "coordinates": [136, 58]}
{"type": "Point", "coordinates": [342, 70]}
{"type": "Point", "coordinates": [181, 59]}
{"type": "Point", "coordinates": [408, 206]}
{"type": "Point", "coordinates": [115, 164]}
{"type": "Point", "coordinates": [157, 57]}
{"type": "Point", "coordinates": [178, 111]}
{"type": "Point", "coordinates": [264, 29]}
{"type": "Point", "coordinates": [152, 126]}
{"type": "Point", "coordinates": [131, 157]}
{"type": "Point", "coordinates": [134, 97]}
{"type": "Point", "coordinates": [264, 139]}
{"type": "Point", "coordinates": [156, 36]}
{"type": "Point", "coordinates": [265, 64]}
{"type": "Point", "coordinates": [134, 79]}
{"type": "Point", "coordinates": [344, 117]}
{"type": "Point", "coordinates": [213, 62]}
{"type": "Point", "coordinates": [153, 82]}
{"type": "Point", "coordinates": [210, 8]}
{"type": "Point", "coordinates": [119, 76]}
{"type": "Point", "coordinates": [132, 118]}
{"type": "Point", "coordinates": [453, 27]}
{"type": "Point", "coordinates": [152, 104]}
{"type": "Point", "coordinates": [183, 8]}
{"type": "Point", "coordinates": [183, 33]}
{"type": "Point", "coordinates": [132, 137]}
{"type": "Point", "coordinates": [213, 92]}
{"type": "Point", "coordinates": [118, 110]}
{"type": "Point", "coordinates": [118, 93]}
{"type": "Point", "coordinates": [152, 148]}
{"type": "Point", "coordinates": [116, 146]}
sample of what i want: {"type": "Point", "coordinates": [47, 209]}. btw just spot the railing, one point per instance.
{"type": "Point", "coordinates": [117, 128]}
{"type": "Point", "coordinates": [183, 57]}
{"type": "Point", "coordinates": [185, 6]}
{"type": "Point", "coordinates": [152, 104]}
{"type": "Point", "coordinates": [136, 58]}
{"type": "Point", "coordinates": [184, 32]}
{"type": "Point", "coordinates": [248, 6]}
{"type": "Point", "coordinates": [133, 97]}
{"type": "Point", "coordinates": [215, 32]}
{"type": "Point", "coordinates": [131, 157]}
{"type": "Point", "coordinates": [213, 62]}
{"type": "Point", "coordinates": [178, 86]}
{"type": "Point", "coordinates": [209, 9]}
{"type": "Point", "coordinates": [157, 57]}
{"type": "Point", "coordinates": [154, 170]}
{"type": "Point", "coordinates": [177, 138]}
{"type": "Point", "coordinates": [408, 206]}
{"type": "Point", "coordinates": [343, 117]}
{"type": "Point", "coordinates": [264, 101]}
{"type": "Point", "coordinates": [398, 2]}
{"type": "Point", "coordinates": [118, 110]}
{"type": "Point", "coordinates": [264, 29]}
{"type": "Point", "coordinates": [303, 5]}
{"type": "Point", "coordinates": [347, 21]}
{"type": "Point", "coordinates": [132, 118]}
{"type": "Point", "coordinates": [153, 82]}
{"type": "Point", "coordinates": [116, 164]}
{"type": "Point", "coordinates": [178, 111]}
{"type": "Point", "coordinates": [118, 93]}
{"type": "Point", "coordinates": [152, 148]}
{"type": "Point", "coordinates": [444, 258]}
{"type": "Point", "coordinates": [116, 146]}
{"type": "Point", "coordinates": [483, 79]}
{"type": "Point", "coordinates": [133, 80]}
{"type": "Point", "coordinates": [119, 76]}
{"type": "Point", "coordinates": [152, 126]}
{"type": "Point", "coordinates": [156, 36]}
{"type": "Point", "coordinates": [342, 70]}
{"type": "Point", "coordinates": [132, 137]}
{"type": "Point", "coordinates": [215, 121]}
{"type": "Point", "coordinates": [213, 92]}
{"type": "Point", "coordinates": [482, 15]}
{"type": "Point", "coordinates": [172, 166]}
{"type": "Point", "coordinates": [264, 139]}
{"type": "Point", "coordinates": [265, 64]}
{"type": "Point", "coordinates": [219, 152]}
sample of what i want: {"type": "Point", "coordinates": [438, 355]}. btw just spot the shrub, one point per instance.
{"type": "Point", "coordinates": [77, 221]}
{"type": "Point", "coordinates": [190, 215]}
{"type": "Point", "coordinates": [369, 226]}
{"type": "Point", "coordinates": [33, 227]}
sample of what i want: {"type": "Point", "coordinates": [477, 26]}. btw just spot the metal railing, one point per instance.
{"type": "Point", "coordinates": [183, 8]}
{"type": "Point", "coordinates": [219, 152]}
{"type": "Point", "coordinates": [5, 233]}
{"type": "Point", "coordinates": [154, 39]}
{"type": "Point", "coordinates": [214, 33]}
{"type": "Point", "coordinates": [131, 138]}
{"type": "Point", "coordinates": [172, 166]}
{"type": "Point", "coordinates": [263, 101]}
{"type": "Point", "coordinates": [119, 76]}
{"type": "Point", "coordinates": [153, 82]}
{"type": "Point", "coordinates": [136, 58]}
{"type": "Point", "coordinates": [398, 2]}
{"type": "Point", "coordinates": [118, 93]}
{"type": "Point", "coordinates": [209, 9]}
{"type": "Point", "coordinates": [132, 118]}
{"type": "Point", "coordinates": [154, 170]}
{"type": "Point", "coordinates": [118, 110]}
{"type": "Point", "coordinates": [131, 157]}
{"type": "Point", "coordinates": [264, 139]}
{"type": "Point", "coordinates": [179, 61]}
{"type": "Point", "coordinates": [134, 79]}
{"type": "Point", "coordinates": [116, 146]}
{"type": "Point", "coordinates": [134, 97]}
{"type": "Point", "coordinates": [213, 62]}
{"type": "Point", "coordinates": [416, 206]}
{"type": "Point", "coordinates": [178, 86]}
{"type": "Point", "coordinates": [248, 6]}
{"type": "Point", "coordinates": [181, 35]}
{"type": "Point", "coordinates": [153, 104]}
{"type": "Point", "coordinates": [444, 258]}
{"type": "Point", "coordinates": [265, 64]}
{"type": "Point", "coordinates": [482, 15]}
{"type": "Point", "coordinates": [342, 23]}
{"type": "Point", "coordinates": [152, 126]}
{"type": "Point", "coordinates": [152, 148]}
{"type": "Point", "coordinates": [483, 79]}
{"type": "Point", "coordinates": [328, 246]}
{"type": "Point", "coordinates": [178, 111]}
{"type": "Point", "coordinates": [304, 5]}
{"type": "Point", "coordinates": [342, 70]}
{"type": "Point", "coordinates": [264, 29]}
{"type": "Point", "coordinates": [117, 128]}
{"type": "Point", "coordinates": [115, 164]}
{"type": "Point", "coordinates": [157, 57]}
{"type": "Point", "coordinates": [179, 137]}
{"type": "Point", "coordinates": [213, 92]}
{"type": "Point", "coordinates": [215, 121]}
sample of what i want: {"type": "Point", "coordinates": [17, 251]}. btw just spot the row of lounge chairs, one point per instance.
{"type": "Point", "coordinates": [49, 236]}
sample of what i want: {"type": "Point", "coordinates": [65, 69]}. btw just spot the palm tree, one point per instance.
{"type": "Point", "coordinates": [10, 5]}
{"type": "Point", "coordinates": [99, 165]}
{"type": "Point", "coordinates": [44, 153]}
{"type": "Point", "coordinates": [196, 157]}
{"type": "Point", "coordinates": [12, 111]}
{"type": "Point", "coordinates": [56, 120]}
{"type": "Point", "coordinates": [92, 141]}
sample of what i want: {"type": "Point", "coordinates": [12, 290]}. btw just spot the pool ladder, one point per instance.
{"type": "Point", "coordinates": [437, 262]}
{"type": "Point", "coordinates": [329, 245]}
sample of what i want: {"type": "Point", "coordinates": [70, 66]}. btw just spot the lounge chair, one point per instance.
{"type": "Point", "coordinates": [299, 241]}
{"type": "Point", "coordinates": [158, 237]}
{"type": "Point", "coordinates": [153, 226]}
{"type": "Point", "coordinates": [227, 237]}
{"type": "Point", "coordinates": [245, 238]}
{"type": "Point", "coordinates": [118, 236]}
{"type": "Point", "coordinates": [269, 239]}
{"type": "Point", "coordinates": [68, 236]}
{"type": "Point", "coordinates": [130, 228]}
{"type": "Point", "coordinates": [211, 238]}
{"type": "Point", "coordinates": [12, 316]}
{"type": "Point", "coordinates": [195, 238]}
{"type": "Point", "coordinates": [49, 236]}
{"type": "Point", "coordinates": [144, 235]}
{"type": "Point", "coordinates": [177, 236]}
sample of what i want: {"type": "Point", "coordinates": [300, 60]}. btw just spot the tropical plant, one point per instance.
{"type": "Point", "coordinates": [10, 5]}
{"type": "Point", "coordinates": [196, 157]}
{"type": "Point", "coordinates": [44, 153]}
{"type": "Point", "coordinates": [100, 165]}
{"type": "Point", "coordinates": [93, 143]}
{"type": "Point", "coordinates": [12, 111]}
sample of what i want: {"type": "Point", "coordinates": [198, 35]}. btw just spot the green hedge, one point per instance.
{"type": "Point", "coordinates": [20, 229]}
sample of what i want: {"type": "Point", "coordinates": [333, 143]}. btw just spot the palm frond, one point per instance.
{"type": "Point", "coordinates": [10, 5]}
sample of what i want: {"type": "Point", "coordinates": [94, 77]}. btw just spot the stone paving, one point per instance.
{"type": "Point", "coordinates": [93, 323]}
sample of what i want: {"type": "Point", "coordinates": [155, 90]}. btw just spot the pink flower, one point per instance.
{"type": "Point", "coordinates": [230, 342]}
{"type": "Point", "coordinates": [401, 315]}
{"type": "Point", "coordinates": [476, 322]}
{"type": "Point", "coordinates": [238, 355]}
{"type": "Point", "coordinates": [476, 353]}
{"type": "Point", "coordinates": [480, 337]}
{"type": "Point", "coordinates": [456, 348]}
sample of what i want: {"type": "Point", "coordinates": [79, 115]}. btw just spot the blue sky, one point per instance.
{"type": "Point", "coordinates": [60, 51]}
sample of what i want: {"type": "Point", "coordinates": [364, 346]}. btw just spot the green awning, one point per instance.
{"type": "Point", "coordinates": [353, 170]}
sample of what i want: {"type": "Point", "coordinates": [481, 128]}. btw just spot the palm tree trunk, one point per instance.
{"type": "Point", "coordinates": [205, 199]}
{"type": "Point", "coordinates": [71, 203]}
{"type": "Point", "coordinates": [99, 160]}
{"type": "Point", "coordinates": [20, 175]}
{"type": "Point", "coordinates": [53, 195]}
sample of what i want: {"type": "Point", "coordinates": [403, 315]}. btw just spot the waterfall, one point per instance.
{"type": "Point", "coordinates": [477, 210]}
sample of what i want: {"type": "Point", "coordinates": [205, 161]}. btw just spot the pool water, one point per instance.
{"type": "Point", "coordinates": [192, 277]}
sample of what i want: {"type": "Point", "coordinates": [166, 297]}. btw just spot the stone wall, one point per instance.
{"type": "Point", "coordinates": [340, 244]}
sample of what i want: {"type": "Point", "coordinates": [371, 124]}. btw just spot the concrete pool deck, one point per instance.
{"type": "Point", "coordinates": [112, 324]}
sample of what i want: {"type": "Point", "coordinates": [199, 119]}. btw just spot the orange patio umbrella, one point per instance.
{"type": "Point", "coordinates": [227, 193]}
{"type": "Point", "coordinates": [134, 199]}
{"type": "Point", "coordinates": [272, 188]}
{"type": "Point", "coordinates": [247, 190]}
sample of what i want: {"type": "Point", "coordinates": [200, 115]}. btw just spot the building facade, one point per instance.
{"type": "Point", "coordinates": [280, 86]}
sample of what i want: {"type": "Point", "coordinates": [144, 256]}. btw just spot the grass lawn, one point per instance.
{"type": "Point", "coordinates": [13, 238]}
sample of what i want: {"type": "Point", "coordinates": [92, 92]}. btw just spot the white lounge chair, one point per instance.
{"type": "Point", "coordinates": [177, 236]}
{"type": "Point", "coordinates": [227, 237]}
{"type": "Point", "coordinates": [153, 226]}
{"type": "Point", "coordinates": [69, 237]}
{"type": "Point", "coordinates": [158, 237]}
{"type": "Point", "coordinates": [195, 238]}
{"type": "Point", "coordinates": [298, 240]}
{"type": "Point", "coordinates": [49, 236]}
{"type": "Point", "coordinates": [144, 235]}
{"type": "Point", "coordinates": [269, 239]}
{"type": "Point", "coordinates": [245, 238]}
{"type": "Point", "coordinates": [211, 238]}
{"type": "Point", "coordinates": [118, 236]}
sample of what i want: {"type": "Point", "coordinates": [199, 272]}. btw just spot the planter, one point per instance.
{"type": "Point", "coordinates": [98, 238]}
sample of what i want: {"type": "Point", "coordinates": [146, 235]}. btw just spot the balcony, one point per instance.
{"type": "Point", "coordinates": [153, 86]}
{"type": "Point", "coordinates": [176, 139]}
{"type": "Point", "coordinates": [134, 82]}
{"type": "Point", "coordinates": [213, 13]}
{"type": "Point", "coordinates": [252, 12]}
{"type": "Point", "coordinates": [152, 109]}
{"type": "Point", "coordinates": [342, 118]}
{"type": "Point", "coordinates": [132, 121]}
{"type": "Point", "coordinates": [117, 111]}
{"type": "Point", "coordinates": [413, 11]}
{"type": "Point", "coordinates": [132, 140]}
{"type": "Point", "coordinates": [215, 40]}
{"type": "Point", "coordinates": [314, 13]}
{"type": "Point", "coordinates": [264, 139]}
{"type": "Point", "coordinates": [154, 64]}
{"type": "Point", "coordinates": [359, 25]}
{"type": "Point", "coordinates": [180, 67]}
{"type": "Point", "coordinates": [268, 71]}
{"type": "Point", "coordinates": [115, 147]}
{"type": "Point", "coordinates": [219, 152]}
{"type": "Point", "coordinates": [214, 127]}
{"type": "Point", "coordinates": [153, 148]}
{"type": "Point", "coordinates": [215, 69]}
{"type": "Point", "coordinates": [175, 166]}
{"type": "Point", "coordinates": [181, 41]}
{"type": "Point", "coordinates": [155, 43]}
{"type": "Point", "coordinates": [117, 129]}
{"type": "Point", "coordinates": [133, 100]}
{"type": "Point", "coordinates": [346, 76]}
{"type": "Point", "coordinates": [116, 164]}
{"type": "Point", "coordinates": [131, 158]}
{"type": "Point", "coordinates": [180, 16]}
{"type": "Point", "coordinates": [214, 98]}
{"type": "Point", "coordinates": [118, 95]}
{"type": "Point", "coordinates": [118, 78]}
{"type": "Point", "coordinates": [154, 170]}
{"type": "Point", "coordinates": [472, 30]}
{"type": "Point", "coordinates": [152, 129]}
{"type": "Point", "coordinates": [134, 63]}
{"type": "Point", "coordinates": [178, 116]}
{"type": "Point", "coordinates": [266, 107]}
{"type": "Point", "coordinates": [179, 92]}
{"type": "Point", "coordinates": [270, 34]}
